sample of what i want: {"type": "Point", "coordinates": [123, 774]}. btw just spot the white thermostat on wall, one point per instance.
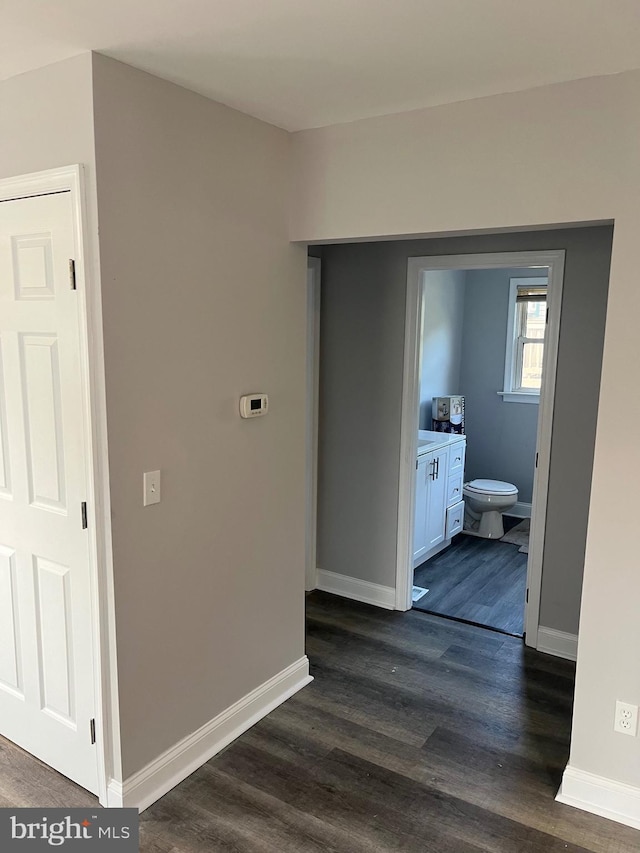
{"type": "Point", "coordinates": [254, 405]}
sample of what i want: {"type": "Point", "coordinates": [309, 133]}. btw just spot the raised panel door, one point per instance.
{"type": "Point", "coordinates": [46, 656]}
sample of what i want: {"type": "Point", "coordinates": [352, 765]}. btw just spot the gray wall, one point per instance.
{"type": "Point", "coordinates": [209, 584]}
{"type": "Point", "coordinates": [362, 340]}
{"type": "Point", "coordinates": [501, 436]}
{"type": "Point", "coordinates": [441, 342]}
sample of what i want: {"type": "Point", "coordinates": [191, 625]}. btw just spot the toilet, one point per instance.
{"type": "Point", "coordinates": [484, 503]}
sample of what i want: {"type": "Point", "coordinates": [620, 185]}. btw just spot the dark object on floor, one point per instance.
{"type": "Point", "coordinates": [481, 581]}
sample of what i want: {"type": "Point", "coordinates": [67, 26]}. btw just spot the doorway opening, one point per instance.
{"type": "Point", "coordinates": [368, 414]}
{"type": "Point", "coordinates": [482, 338]}
{"type": "Point", "coordinates": [467, 448]}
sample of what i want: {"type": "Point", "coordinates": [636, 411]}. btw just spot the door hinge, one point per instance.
{"type": "Point", "coordinates": [416, 464]}
{"type": "Point", "coordinates": [547, 316]}
{"type": "Point", "coordinates": [83, 514]}
{"type": "Point", "coordinates": [92, 729]}
{"type": "Point", "coordinates": [72, 273]}
{"type": "Point", "coordinates": [527, 595]}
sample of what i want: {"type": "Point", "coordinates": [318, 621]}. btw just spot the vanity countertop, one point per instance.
{"type": "Point", "coordinates": [429, 440]}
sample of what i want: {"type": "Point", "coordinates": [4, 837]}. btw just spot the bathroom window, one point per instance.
{"type": "Point", "coordinates": [527, 321]}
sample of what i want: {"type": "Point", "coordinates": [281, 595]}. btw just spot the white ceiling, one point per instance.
{"type": "Point", "coordinates": [308, 63]}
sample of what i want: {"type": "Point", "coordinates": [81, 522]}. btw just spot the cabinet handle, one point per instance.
{"type": "Point", "coordinates": [437, 477]}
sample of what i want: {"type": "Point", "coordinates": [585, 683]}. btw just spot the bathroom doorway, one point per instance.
{"type": "Point", "coordinates": [479, 380]}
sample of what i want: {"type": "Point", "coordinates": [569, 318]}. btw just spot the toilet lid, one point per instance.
{"type": "Point", "coordinates": [491, 487]}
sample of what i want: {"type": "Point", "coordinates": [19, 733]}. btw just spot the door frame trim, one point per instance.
{"type": "Point", "coordinates": [416, 267]}
{"type": "Point", "coordinates": [314, 269]}
{"type": "Point", "coordinates": [71, 179]}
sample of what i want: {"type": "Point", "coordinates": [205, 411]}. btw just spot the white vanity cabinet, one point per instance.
{"type": "Point", "coordinates": [439, 510]}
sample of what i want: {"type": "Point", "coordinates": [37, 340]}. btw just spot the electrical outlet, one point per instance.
{"type": "Point", "coordinates": [626, 721]}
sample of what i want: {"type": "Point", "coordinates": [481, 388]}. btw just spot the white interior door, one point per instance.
{"type": "Point", "coordinates": [46, 653]}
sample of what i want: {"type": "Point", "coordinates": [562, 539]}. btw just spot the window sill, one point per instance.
{"type": "Point", "coordinates": [519, 397]}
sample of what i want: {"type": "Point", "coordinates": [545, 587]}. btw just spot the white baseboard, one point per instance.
{"type": "Point", "coordinates": [557, 643]}
{"type": "Point", "coordinates": [520, 510]}
{"type": "Point", "coordinates": [179, 761]}
{"type": "Point", "coordinates": [601, 796]}
{"type": "Point", "coordinates": [358, 590]}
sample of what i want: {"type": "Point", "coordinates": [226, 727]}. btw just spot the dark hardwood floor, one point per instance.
{"type": "Point", "coordinates": [418, 734]}
{"type": "Point", "coordinates": [482, 581]}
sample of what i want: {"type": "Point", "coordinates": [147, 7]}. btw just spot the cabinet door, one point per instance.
{"type": "Point", "coordinates": [437, 487]}
{"type": "Point", "coordinates": [420, 518]}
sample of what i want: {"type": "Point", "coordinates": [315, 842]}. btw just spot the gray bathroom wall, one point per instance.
{"type": "Point", "coordinates": [441, 342]}
{"type": "Point", "coordinates": [501, 436]}
{"type": "Point", "coordinates": [362, 346]}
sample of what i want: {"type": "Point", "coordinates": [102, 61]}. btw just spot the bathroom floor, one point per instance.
{"type": "Point", "coordinates": [482, 581]}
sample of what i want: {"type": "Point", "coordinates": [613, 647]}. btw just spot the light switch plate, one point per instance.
{"type": "Point", "coordinates": [151, 485]}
